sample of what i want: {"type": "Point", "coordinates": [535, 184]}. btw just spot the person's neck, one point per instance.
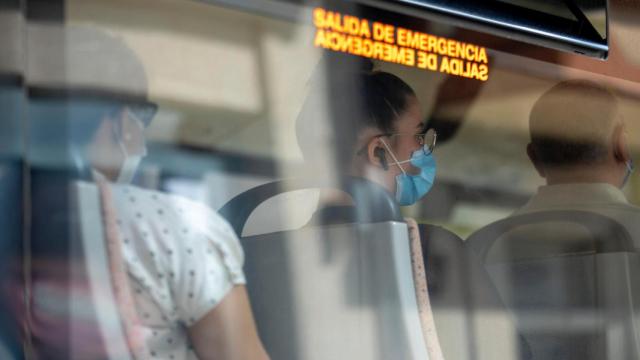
{"type": "Point", "coordinates": [583, 175]}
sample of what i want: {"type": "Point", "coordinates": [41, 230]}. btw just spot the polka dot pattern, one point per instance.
{"type": "Point", "coordinates": [181, 257]}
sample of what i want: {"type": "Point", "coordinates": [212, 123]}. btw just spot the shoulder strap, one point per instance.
{"type": "Point", "coordinates": [119, 278]}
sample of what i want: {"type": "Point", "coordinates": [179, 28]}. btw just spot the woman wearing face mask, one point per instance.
{"type": "Point", "coordinates": [379, 135]}
{"type": "Point", "coordinates": [374, 125]}
{"type": "Point", "coordinates": [378, 130]}
{"type": "Point", "coordinates": [119, 145]}
{"type": "Point", "coordinates": [185, 268]}
{"type": "Point", "coordinates": [175, 265]}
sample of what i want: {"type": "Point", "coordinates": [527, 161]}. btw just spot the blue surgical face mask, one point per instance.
{"type": "Point", "coordinates": [411, 188]}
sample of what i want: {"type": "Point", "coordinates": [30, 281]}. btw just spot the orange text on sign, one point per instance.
{"type": "Point", "coordinates": [353, 35]}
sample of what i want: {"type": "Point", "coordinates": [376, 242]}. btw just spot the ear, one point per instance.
{"type": "Point", "coordinates": [620, 145]}
{"type": "Point", "coordinates": [377, 154]}
{"type": "Point", "coordinates": [535, 161]}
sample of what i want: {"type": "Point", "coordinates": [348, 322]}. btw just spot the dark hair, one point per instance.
{"type": "Point", "coordinates": [385, 96]}
{"type": "Point", "coordinates": [356, 97]}
{"type": "Point", "coordinates": [571, 123]}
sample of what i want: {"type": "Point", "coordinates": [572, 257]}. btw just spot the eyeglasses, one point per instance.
{"type": "Point", "coordinates": [427, 139]}
{"type": "Point", "coordinates": [143, 111]}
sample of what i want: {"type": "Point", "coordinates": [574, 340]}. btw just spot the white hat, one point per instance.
{"type": "Point", "coordinates": [82, 58]}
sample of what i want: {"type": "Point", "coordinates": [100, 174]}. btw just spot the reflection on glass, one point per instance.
{"type": "Point", "coordinates": [12, 289]}
{"type": "Point", "coordinates": [133, 108]}
{"type": "Point", "coordinates": [548, 259]}
{"type": "Point", "coordinates": [11, 185]}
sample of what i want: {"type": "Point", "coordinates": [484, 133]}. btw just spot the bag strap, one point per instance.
{"type": "Point", "coordinates": [119, 278]}
{"type": "Point", "coordinates": [425, 313]}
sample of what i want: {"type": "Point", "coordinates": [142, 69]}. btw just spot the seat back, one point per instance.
{"type": "Point", "coordinates": [74, 311]}
{"type": "Point", "coordinates": [336, 291]}
{"type": "Point", "coordinates": [568, 277]}
{"type": "Point", "coordinates": [465, 303]}
{"type": "Point", "coordinates": [374, 203]}
{"type": "Point", "coordinates": [97, 274]}
{"type": "Point", "coordinates": [356, 303]}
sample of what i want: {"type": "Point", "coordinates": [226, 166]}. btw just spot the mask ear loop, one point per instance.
{"type": "Point", "coordinates": [119, 135]}
{"type": "Point", "coordinates": [116, 130]}
{"type": "Point", "coordinates": [393, 156]}
{"type": "Point", "coordinates": [140, 124]}
{"type": "Point", "coordinates": [391, 152]}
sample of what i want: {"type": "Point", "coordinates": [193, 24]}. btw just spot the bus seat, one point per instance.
{"type": "Point", "coordinates": [570, 278]}
{"type": "Point", "coordinates": [375, 205]}
{"type": "Point", "coordinates": [341, 291]}
{"type": "Point", "coordinates": [465, 304]}
{"type": "Point", "coordinates": [96, 222]}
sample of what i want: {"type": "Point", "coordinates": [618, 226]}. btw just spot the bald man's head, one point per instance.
{"type": "Point", "coordinates": [573, 123]}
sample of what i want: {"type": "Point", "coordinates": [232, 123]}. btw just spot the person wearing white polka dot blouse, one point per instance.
{"type": "Point", "coordinates": [185, 267]}
{"type": "Point", "coordinates": [182, 261]}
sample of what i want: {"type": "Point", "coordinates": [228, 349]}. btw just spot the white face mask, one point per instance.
{"type": "Point", "coordinates": [131, 161]}
{"type": "Point", "coordinates": [128, 169]}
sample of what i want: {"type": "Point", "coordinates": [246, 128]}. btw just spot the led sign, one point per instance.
{"type": "Point", "coordinates": [378, 41]}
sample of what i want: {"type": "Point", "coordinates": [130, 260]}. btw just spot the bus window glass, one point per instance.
{"type": "Point", "coordinates": [289, 180]}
